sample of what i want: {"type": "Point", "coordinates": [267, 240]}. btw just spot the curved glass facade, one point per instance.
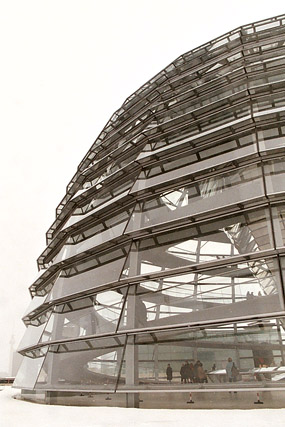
{"type": "Point", "coordinates": [165, 265]}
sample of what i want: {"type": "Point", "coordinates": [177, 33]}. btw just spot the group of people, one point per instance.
{"type": "Point", "coordinates": [250, 295]}
{"type": "Point", "coordinates": [195, 373]}
{"type": "Point", "coordinates": [189, 372]}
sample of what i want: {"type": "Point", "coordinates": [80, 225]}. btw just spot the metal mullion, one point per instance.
{"type": "Point", "coordinates": [122, 309]}
{"type": "Point", "coordinates": [121, 364]}
{"type": "Point", "coordinates": [44, 359]}
{"type": "Point", "coordinates": [51, 313]}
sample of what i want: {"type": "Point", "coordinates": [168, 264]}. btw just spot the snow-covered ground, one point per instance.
{"type": "Point", "coordinates": [17, 413]}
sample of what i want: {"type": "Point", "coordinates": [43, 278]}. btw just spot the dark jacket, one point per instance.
{"type": "Point", "coordinates": [169, 373]}
{"type": "Point", "coordinates": [182, 372]}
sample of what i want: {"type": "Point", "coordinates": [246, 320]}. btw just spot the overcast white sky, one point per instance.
{"type": "Point", "coordinates": [66, 66]}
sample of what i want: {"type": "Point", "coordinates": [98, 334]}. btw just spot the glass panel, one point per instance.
{"type": "Point", "coordinates": [275, 176]}
{"type": "Point", "coordinates": [98, 228]}
{"type": "Point", "coordinates": [206, 355]}
{"type": "Point", "coordinates": [279, 224]}
{"type": "Point", "coordinates": [28, 372]}
{"type": "Point", "coordinates": [71, 366]}
{"type": "Point", "coordinates": [32, 336]}
{"type": "Point", "coordinates": [203, 104]}
{"type": "Point", "coordinates": [87, 280]}
{"type": "Point", "coordinates": [71, 250]}
{"type": "Point", "coordinates": [103, 197]}
{"type": "Point", "coordinates": [271, 144]}
{"type": "Point", "coordinates": [249, 288]}
{"type": "Point", "coordinates": [240, 234]}
{"type": "Point", "coordinates": [267, 103]}
{"type": "Point", "coordinates": [211, 193]}
{"type": "Point", "coordinates": [99, 314]}
{"type": "Point", "coordinates": [218, 152]}
{"type": "Point", "coordinates": [111, 167]}
{"type": "Point", "coordinates": [91, 272]}
{"type": "Point", "coordinates": [35, 303]}
{"type": "Point", "coordinates": [75, 219]}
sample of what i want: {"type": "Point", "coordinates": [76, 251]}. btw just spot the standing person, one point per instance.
{"type": "Point", "coordinates": [169, 373]}
{"type": "Point", "coordinates": [235, 372]}
{"type": "Point", "coordinates": [202, 376]}
{"type": "Point", "coordinates": [191, 372]}
{"type": "Point", "coordinates": [182, 373]}
{"type": "Point", "coordinates": [195, 371]}
{"type": "Point", "coordinates": [187, 371]}
{"type": "Point", "coordinates": [229, 368]}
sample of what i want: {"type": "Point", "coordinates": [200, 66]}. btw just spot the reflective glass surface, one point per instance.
{"type": "Point", "coordinates": [78, 365]}
{"type": "Point", "coordinates": [275, 176]}
{"type": "Point", "coordinates": [36, 302]}
{"type": "Point", "coordinates": [103, 197]}
{"type": "Point", "coordinates": [271, 138]}
{"type": "Point", "coordinates": [180, 201]}
{"type": "Point", "coordinates": [204, 158]}
{"type": "Point", "coordinates": [32, 336]}
{"type": "Point", "coordinates": [104, 225]}
{"type": "Point", "coordinates": [28, 372]}
{"type": "Point", "coordinates": [87, 280]}
{"type": "Point", "coordinates": [279, 224]}
{"type": "Point", "coordinates": [209, 194]}
{"type": "Point", "coordinates": [96, 314]}
{"type": "Point", "coordinates": [206, 356]}
{"type": "Point", "coordinates": [249, 288]}
{"type": "Point", "coordinates": [71, 250]}
{"type": "Point", "coordinates": [223, 238]}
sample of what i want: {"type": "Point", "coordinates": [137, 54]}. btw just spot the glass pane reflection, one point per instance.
{"type": "Point", "coordinates": [275, 176]}
{"type": "Point", "coordinates": [211, 193]}
{"type": "Point", "coordinates": [99, 314]}
{"type": "Point", "coordinates": [32, 336]}
{"type": "Point", "coordinates": [28, 372]}
{"type": "Point", "coordinates": [87, 280]}
{"type": "Point", "coordinates": [223, 238]}
{"type": "Point", "coordinates": [88, 368]}
{"type": "Point", "coordinates": [255, 347]}
{"type": "Point", "coordinates": [249, 288]}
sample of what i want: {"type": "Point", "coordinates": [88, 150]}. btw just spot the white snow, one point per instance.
{"type": "Point", "coordinates": [18, 413]}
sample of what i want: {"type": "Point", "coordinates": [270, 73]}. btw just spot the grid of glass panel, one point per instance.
{"type": "Point", "coordinates": [168, 247]}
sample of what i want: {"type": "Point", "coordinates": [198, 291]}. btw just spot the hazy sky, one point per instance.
{"type": "Point", "coordinates": [66, 66]}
